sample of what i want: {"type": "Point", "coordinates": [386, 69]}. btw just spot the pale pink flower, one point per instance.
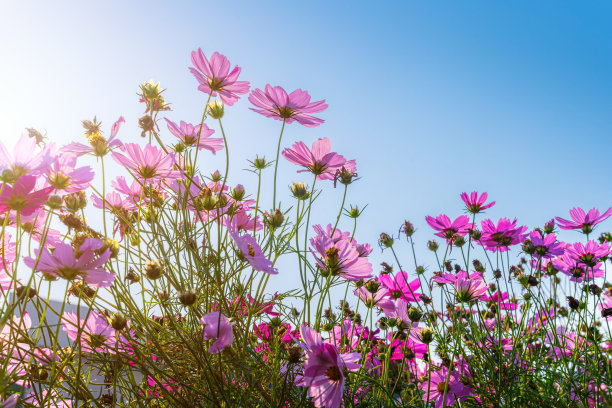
{"type": "Point", "coordinates": [188, 134]}
{"type": "Point", "coordinates": [84, 264]}
{"type": "Point", "coordinates": [319, 160]}
{"type": "Point", "coordinates": [215, 77]}
{"type": "Point", "coordinates": [274, 102]}
{"type": "Point", "coordinates": [98, 145]}
{"type": "Point", "coordinates": [324, 369]}
{"type": "Point", "coordinates": [26, 158]}
{"type": "Point", "coordinates": [21, 196]}
{"type": "Point", "coordinates": [65, 177]}
{"type": "Point", "coordinates": [339, 257]}
{"type": "Point", "coordinates": [149, 165]}
{"type": "Point", "coordinates": [444, 386]}
{"type": "Point", "coordinates": [218, 327]}
{"type": "Point", "coordinates": [96, 334]}
{"type": "Point", "coordinates": [250, 249]}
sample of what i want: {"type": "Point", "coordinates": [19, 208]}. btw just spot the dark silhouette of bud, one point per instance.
{"type": "Point", "coordinates": [574, 304]}
{"type": "Point", "coordinates": [387, 269]}
{"type": "Point", "coordinates": [188, 297]}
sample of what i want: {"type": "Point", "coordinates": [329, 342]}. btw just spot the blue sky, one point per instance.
{"type": "Point", "coordinates": [431, 98]}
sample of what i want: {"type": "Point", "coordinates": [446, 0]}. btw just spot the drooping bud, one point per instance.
{"type": "Point", "coordinates": [372, 286]}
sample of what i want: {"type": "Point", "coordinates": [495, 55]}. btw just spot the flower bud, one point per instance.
{"type": "Point", "coordinates": [132, 277]}
{"type": "Point", "coordinates": [327, 327]}
{"type": "Point", "coordinates": [372, 286]}
{"type": "Point", "coordinates": [475, 234]}
{"type": "Point", "coordinates": [459, 241]}
{"type": "Point", "coordinates": [386, 240]}
{"type": "Point", "coordinates": [216, 110]}
{"type": "Point", "coordinates": [75, 201]}
{"type": "Point", "coordinates": [153, 270]}
{"type": "Point", "coordinates": [260, 163]}
{"type": "Point", "coordinates": [414, 314]}
{"type": "Point", "coordinates": [216, 176]}
{"type": "Point", "coordinates": [147, 124]}
{"type": "Point", "coordinates": [55, 201]}
{"type": "Point", "coordinates": [188, 297]}
{"type": "Point", "coordinates": [420, 270]}
{"type": "Point", "coordinates": [238, 192]}
{"type": "Point", "coordinates": [275, 219]}
{"type": "Point", "coordinates": [354, 212]}
{"type": "Point", "coordinates": [118, 321]}
{"type": "Point", "coordinates": [407, 228]}
{"type": "Point", "coordinates": [574, 304]}
{"type": "Point", "coordinates": [426, 335]}
{"type": "Point", "coordinates": [163, 296]}
{"type": "Point", "coordinates": [432, 245]}
{"type": "Point", "coordinates": [300, 191]}
{"type": "Point", "coordinates": [8, 176]}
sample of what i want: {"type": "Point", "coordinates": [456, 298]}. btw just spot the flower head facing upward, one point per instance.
{"type": "Point", "coordinates": [583, 221]}
{"type": "Point", "coordinates": [447, 229]}
{"type": "Point", "coordinates": [21, 196]}
{"type": "Point", "coordinates": [475, 204]}
{"type": "Point", "coordinates": [69, 264]}
{"type": "Point", "coordinates": [188, 134]}
{"type": "Point", "coordinates": [319, 160]}
{"type": "Point", "coordinates": [274, 102]}
{"type": "Point", "coordinates": [98, 144]}
{"type": "Point", "coordinates": [95, 333]}
{"type": "Point", "coordinates": [218, 327]}
{"type": "Point", "coordinates": [149, 164]}
{"type": "Point", "coordinates": [503, 235]}
{"type": "Point", "coordinates": [214, 77]}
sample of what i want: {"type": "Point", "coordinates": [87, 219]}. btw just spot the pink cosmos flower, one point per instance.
{"type": "Point", "coordinates": [251, 250]}
{"type": "Point", "coordinates": [583, 221]}
{"type": "Point", "coordinates": [475, 204]}
{"type": "Point", "coordinates": [443, 385]}
{"type": "Point", "coordinates": [501, 236]}
{"type": "Point", "coordinates": [65, 177]}
{"type": "Point", "coordinates": [323, 369]}
{"type": "Point", "coordinates": [148, 165]}
{"type": "Point", "coordinates": [320, 161]}
{"type": "Point", "coordinates": [114, 202]}
{"type": "Point", "coordinates": [214, 77]}
{"type": "Point", "coordinates": [399, 287]}
{"type": "Point", "coordinates": [21, 196]}
{"type": "Point", "coordinates": [217, 326]}
{"type": "Point", "coordinates": [376, 299]}
{"type": "Point", "coordinates": [447, 229]}
{"type": "Point", "coordinates": [273, 102]}
{"type": "Point", "coordinates": [339, 257]}
{"type": "Point", "coordinates": [96, 334]}
{"type": "Point", "coordinates": [133, 191]}
{"type": "Point", "coordinates": [500, 300]}
{"type": "Point", "coordinates": [589, 254]}
{"type": "Point", "coordinates": [69, 264]}
{"type": "Point", "coordinates": [26, 158]}
{"type": "Point", "coordinates": [98, 145]}
{"type": "Point", "coordinates": [576, 269]}
{"type": "Point", "coordinates": [188, 134]}
{"type": "Point", "coordinates": [470, 288]}
{"type": "Point", "coordinates": [546, 247]}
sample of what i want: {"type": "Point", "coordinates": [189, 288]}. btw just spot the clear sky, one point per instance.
{"type": "Point", "coordinates": [431, 98]}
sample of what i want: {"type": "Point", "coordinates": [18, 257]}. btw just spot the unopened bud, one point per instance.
{"type": "Point", "coordinates": [55, 201]}
{"type": "Point", "coordinates": [426, 335]}
{"type": "Point", "coordinates": [118, 321]}
{"type": "Point", "coordinates": [153, 270]}
{"type": "Point", "coordinates": [216, 110]}
{"type": "Point", "coordinates": [188, 297]}
{"type": "Point", "coordinates": [260, 163]}
{"type": "Point", "coordinates": [432, 245]}
{"type": "Point", "coordinates": [238, 192]}
{"type": "Point", "coordinates": [300, 191]}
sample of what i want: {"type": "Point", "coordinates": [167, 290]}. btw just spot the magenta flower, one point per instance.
{"type": "Point", "coordinates": [500, 300]}
{"type": "Point", "coordinates": [217, 326]}
{"type": "Point", "coordinates": [399, 287]}
{"type": "Point", "coordinates": [188, 134]}
{"type": "Point", "coordinates": [21, 196]}
{"type": "Point", "coordinates": [149, 165]}
{"type": "Point", "coordinates": [469, 288]}
{"type": "Point", "coordinates": [339, 257]}
{"type": "Point", "coordinates": [320, 161]}
{"type": "Point", "coordinates": [442, 385]}
{"type": "Point", "coordinates": [273, 102]}
{"type": "Point", "coordinates": [214, 77]}
{"type": "Point", "coordinates": [69, 264]}
{"type": "Point", "coordinates": [65, 177]}
{"type": "Point", "coordinates": [25, 159]}
{"type": "Point", "coordinates": [251, 250]}
{"type": "Point", "coordinates": [323, 369]}
{"type": "Point", "coordinates": [376, 299]}
{"type": "Point", "coordinates": [98, 145]}
{"type": "Point", "coordinates": [503, 235]}
{"type": "Point", "coordinates": [582, 221]}
{"type": "Point", "coordinates": [475, 204]}
{"type": "Point", "coordinates": [96, 334]}
{"type": "Point", "coordinates": [447, 229]}
{"type": "Point", "coordinates": [576, 269]}
{"type": "Point", "coordinates": [546, 247]}
{"type": "Point", "coordinates": [588, 255]}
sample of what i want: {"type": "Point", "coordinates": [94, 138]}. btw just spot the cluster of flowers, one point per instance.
{"type": "Point", "coordinates": [172, 308]}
